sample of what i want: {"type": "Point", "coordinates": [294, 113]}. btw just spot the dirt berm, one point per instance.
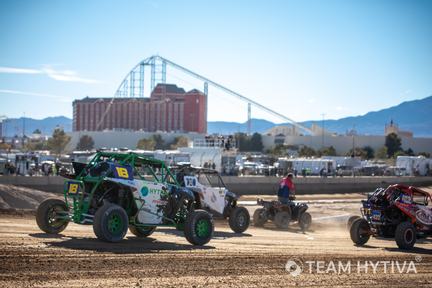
{"type": "Point", "coordinates": [15, 198]}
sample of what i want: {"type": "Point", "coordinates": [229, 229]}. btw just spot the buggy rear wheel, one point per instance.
{"type": "Point", "coordinates": [360, 231]}
{"type": "Point", "coordinates": [110, 223]}
{"type": "Point", "coordinates": [282, 219]}
{"type": "Point", "coordinates": [305, 221]}
{"type": "Point", "coordinates": [239, 219]}
{"type": "Point", "coordinates": [405, 235]}
{"type": "Point", "coordinates": [260, 217]}
{"type": "Point", "coordinates": [199, 227]}
{"type": "Point", "coordinates": [142, 231]}
{"type": "Point", "coordinates": [51, 216]}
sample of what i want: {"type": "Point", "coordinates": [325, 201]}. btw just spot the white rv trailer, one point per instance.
{"type": "Point", "coordinates": [415, 165]}
{"type": "Point", "coordinates": [312, 165]}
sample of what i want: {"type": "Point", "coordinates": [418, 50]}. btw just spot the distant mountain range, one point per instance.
{"type": "Point", "coordinates": [415, 116]}
{"type": "Point", "coordinates": [15, 126]}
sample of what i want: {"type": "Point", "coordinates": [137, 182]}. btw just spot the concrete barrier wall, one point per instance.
{"type": "Point", "coordinates": [316, 185]}
{"type": "Point", "coordinates": [256, 185]}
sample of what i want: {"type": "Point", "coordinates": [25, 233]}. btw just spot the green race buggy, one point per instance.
{"type": "Point", "coordinates": [117, 191]}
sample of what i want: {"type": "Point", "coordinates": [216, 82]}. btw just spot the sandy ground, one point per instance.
{"type": "Point", "coordinates": [76, 258]}
{"type": "Point", "coordinates": [258, 257]}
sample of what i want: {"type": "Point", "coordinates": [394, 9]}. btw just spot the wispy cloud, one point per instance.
{"type": "Point", "coordinates": [26, 93]}
{"type": "Point", "coordinates": [67, 75]}
{"type": "Point", "coordinates": [58, 75]}
{"type": "Point", "coordinates": [13, 70]}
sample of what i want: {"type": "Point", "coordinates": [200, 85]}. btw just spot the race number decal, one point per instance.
{"type": "Point", "coordinates": [190, 181]}
{"type": "Point", "coordinates": [72, 187]}
{"type": "Point", "coordinates": [122, 172]}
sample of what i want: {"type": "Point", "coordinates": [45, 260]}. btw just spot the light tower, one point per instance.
{"type": "Point", "coordinates": [249, 120]}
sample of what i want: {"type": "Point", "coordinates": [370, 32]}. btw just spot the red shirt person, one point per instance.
{"type": "Point", "coordinates": [286, 187]}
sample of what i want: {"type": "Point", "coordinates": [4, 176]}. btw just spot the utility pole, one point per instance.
{"type": "Point", "coordinates": [353, 149]}
{"type": "Point", "coordinates": [249, 122]}
{"type": "Point", "coordinates": [23, 132]}
{"type": "Point", "coordinates": [353, 141]}
{"type": "Point", "coordinates": [322, 127]}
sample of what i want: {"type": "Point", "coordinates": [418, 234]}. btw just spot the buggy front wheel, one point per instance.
{"type": "Point", "coordinates": [199, 227]}
{"type": "Point", "coordinates": [110, 223]}
{"type": "Point", "coordinates": [351, 220]}
{"type": "Point", "coordinates": [239, 219]}
{"type": "Point", "coordinates": [360, 231]}
{"type": "Point", "coordinates": [51, 216]}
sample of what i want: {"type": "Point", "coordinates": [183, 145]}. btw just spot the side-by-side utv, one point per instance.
{"type": "Point", "coordinates": [115, 192]}
{"type": "Point", "coordinates": [212, 195]}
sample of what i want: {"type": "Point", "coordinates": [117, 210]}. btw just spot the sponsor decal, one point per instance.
{"type": "Point", "coordinates": [144, 191]}
{"type": "Point", "coordinates": [155, 191]}
{"type": "Point", "coordinates": [406, 199]}
{"type": "Point", "coordinates": [424, 215]}
{"type": "Point", "coordinates": [159, 202]}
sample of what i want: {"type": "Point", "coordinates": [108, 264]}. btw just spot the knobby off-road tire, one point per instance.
{"type": "Point", "coordinates": [110, 223]}
{"type": "Point", "coordinates": [405, 235]}
{"type": "Point", "coordinates": [46, 215]}
{"type": "Point", "coordinates": [360, 231]}
{"type": "Point", "coordinates": [239, 219]}
{"type": "Point", "coordinates": [282, 219]}
{"type": "Point", "coordinates": [351, 220]}
{"type": "Point", "coordinates": [259, 217]}
{"type": "Point", "coordinates": [142, 231]}
{"type": "Point", "coordinates": [199, 227]}
{"type": "Point", "coordinates": [305, 221]}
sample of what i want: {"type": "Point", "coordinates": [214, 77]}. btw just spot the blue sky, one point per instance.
{"type": "Point", "coordinates": [300, 58]}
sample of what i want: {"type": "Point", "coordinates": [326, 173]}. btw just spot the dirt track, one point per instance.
{"type": "Point", "coordinates": [75, 258]}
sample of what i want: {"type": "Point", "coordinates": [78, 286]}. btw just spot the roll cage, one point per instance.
{"type": "Point", "coordinates": [209, 176]}
{"type": "Point", "coordinates": [142, 166]}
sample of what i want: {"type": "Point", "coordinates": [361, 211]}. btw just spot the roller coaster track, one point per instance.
{"type": "Point", "coordinates": [133, 86]}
